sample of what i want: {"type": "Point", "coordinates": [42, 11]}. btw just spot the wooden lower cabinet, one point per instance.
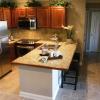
{"type": "Point", "coordinates": [47, 17]}
{"type": "Point", "coordinates": [6, 68]}
{"type": "Point", "coordinates": [12, 55]}
{"type": "Point", "coordinates": [5, 65]}
{"type": "Point", "coordinates": [19, 12]}
{"type": "Point", "coordinates": [13, 19]}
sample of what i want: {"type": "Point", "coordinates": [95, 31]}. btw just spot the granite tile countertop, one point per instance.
{"type": "Point", "coordinates": [13, 41]}
{"type": "Point", "coordinates": [32, 58]}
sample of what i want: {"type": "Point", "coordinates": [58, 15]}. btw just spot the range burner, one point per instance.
{"type": "Point", "coordinates": [23, 46]}
{"type": "Point", "coordinates": [26, 41]}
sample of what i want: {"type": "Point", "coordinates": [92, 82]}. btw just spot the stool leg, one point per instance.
{"type": "Point", "coordinates": [75, 83]}
{"type": "Point", "coordinates": [62, 78]}
{"type": "Point", "coordinates": [76, 80]}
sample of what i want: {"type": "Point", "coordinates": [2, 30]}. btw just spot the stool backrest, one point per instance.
{"type": "Point", "coordinates": [76, 57]}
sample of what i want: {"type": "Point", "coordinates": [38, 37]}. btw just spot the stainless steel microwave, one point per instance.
{"type": "Point", "coordinates": [32, 23]}
{"type": "Point", "coordinates": [28, 23]}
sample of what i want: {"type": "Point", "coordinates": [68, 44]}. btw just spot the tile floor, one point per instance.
{"type": "Point", "coordinates": [88, 86]}
{"type": "Point", "coordinates": [89, 81]}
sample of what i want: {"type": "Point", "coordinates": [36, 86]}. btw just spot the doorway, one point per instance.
{"type": "Point", "coordinates": [92, 43]}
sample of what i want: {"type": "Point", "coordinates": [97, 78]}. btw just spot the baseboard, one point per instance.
{"type": "Point", "coordinates": [34, 96]}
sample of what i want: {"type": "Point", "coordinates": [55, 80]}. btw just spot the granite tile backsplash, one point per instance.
{"type": "Point", "coordinates": [42, 33]}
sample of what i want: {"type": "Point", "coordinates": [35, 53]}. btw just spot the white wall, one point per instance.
{"type": "Point", "coordinates": [76, 16]}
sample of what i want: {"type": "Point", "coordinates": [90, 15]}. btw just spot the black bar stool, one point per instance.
{"type": "Point", "coordinates": [72, 73]}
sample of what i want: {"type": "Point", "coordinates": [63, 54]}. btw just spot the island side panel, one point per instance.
{"type": "Point", "coordinates": [55, 82]}
{"type": "Point", "coordinates": [36, 80]}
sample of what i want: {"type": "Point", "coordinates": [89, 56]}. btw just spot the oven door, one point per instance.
{"type": "Point", "coordinates": [22, 50]}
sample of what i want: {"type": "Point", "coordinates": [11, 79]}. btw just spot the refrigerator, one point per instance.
{"type": "Point", "coordinates": [5, 67]}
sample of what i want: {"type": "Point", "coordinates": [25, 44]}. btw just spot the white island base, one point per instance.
{"type": "Point", "coordinates": [39, 83]}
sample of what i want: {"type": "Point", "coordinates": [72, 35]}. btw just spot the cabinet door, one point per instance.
{"type": "Point", "coordinates": [19, 12]}
{"type": "Point", "coordinates": [57, 17]}
{"type": "Point", "coordinates": [43, 17]}
{"type": "Point", "coordinates": [11, 52]}
{"type": "Point", "coordinates": [1, 14]}
{"type": "Point", "coordinates": [7, 16]}
{"type": "Point", "coordinates": [13, 21]}
{"type": "Point", "coordinates": [31, 12]}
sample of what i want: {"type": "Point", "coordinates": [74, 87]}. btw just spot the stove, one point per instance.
{"type": "Point", "coordinates": [23, 46]}
{"type": "Point", "coordinates": [26, 42]}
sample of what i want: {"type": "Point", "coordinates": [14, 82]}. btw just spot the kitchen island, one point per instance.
{"type": "Point", "coordinates": [40, 80]}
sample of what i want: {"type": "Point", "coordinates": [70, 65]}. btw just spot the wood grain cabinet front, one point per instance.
{"type": "Point", "coordinates": [43, 17]}
{"type": "Point", "coordinates": [12, 55]}
{"type": "Point", "coordinates": [31, 12]}
{"type": "Point", "coordinates": [7, 16]}
{"type": "Point", "coordinates": [19, 12]}
{"type": "Point", "coordinates": [1, 14]}
{"type": "Point", "coordinates": [57, 17]}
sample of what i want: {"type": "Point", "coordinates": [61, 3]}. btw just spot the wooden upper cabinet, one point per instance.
{"type": "Point", "coordinates": [7, 16]}
{"type": "Point", "coordinates": [1, 14]}
{"type": "Point", "coordinates": [19, 12]}
{"type": "Point", "coordinates": [47, 17]}
{"type": "Point", "coordinates": [13, 20]}
{"type": "Point", "coordinates": [43, 17]}
{"type": "Point", "coordinates": [57, 17]}
{"type": "Point", "coordinates": [31, 12]}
